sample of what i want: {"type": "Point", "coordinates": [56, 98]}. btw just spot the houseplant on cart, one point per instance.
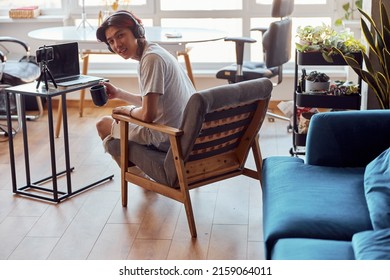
{"type": "Point", "coordinates": [324, 39]}
{"type": "Point", "coordinates": [377, 76]}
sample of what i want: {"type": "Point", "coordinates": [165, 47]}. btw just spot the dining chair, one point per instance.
{"type": "Point", "coordinates": [2, 87]}
{"type": "Point", "coordinates": [219, 128]}
{"type": "Point", "coordinates": [276, 42]}
{"type": "Point", "coordinates": [3, 59]}
{"type": "Point", "coordinates": [18, 67]}
{"type": "Point", "coordinates": [187, 63]}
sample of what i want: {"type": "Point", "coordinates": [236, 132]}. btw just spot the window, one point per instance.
{"type": "Point", "coordinates": [234, 17]}
{"type": "Point", "coordinates": [112, 4]}
{"type": "Point", "coordinates": [174, 5]}
{"type": "Point", "coordinates": [297, 2]}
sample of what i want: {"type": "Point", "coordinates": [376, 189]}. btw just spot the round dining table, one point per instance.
{"type": "Point", "coordinates": [174, 39]}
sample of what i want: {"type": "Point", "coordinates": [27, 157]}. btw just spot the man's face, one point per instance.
{"type": "Point", "coordinates": [122, 41]}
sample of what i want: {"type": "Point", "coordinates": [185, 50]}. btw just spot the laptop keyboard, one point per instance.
{"type": "Point", "coordinates": [70, 79]}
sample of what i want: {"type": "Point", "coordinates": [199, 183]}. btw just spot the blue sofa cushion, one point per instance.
{"type": "Point", "coordinates": [312, 249]}
{"type": "Point", "coordinates": [307, 201]}
{"type": "Point", "coordinates": [377, 188]}
{"type": "Point", "coordinates": [372, 245]}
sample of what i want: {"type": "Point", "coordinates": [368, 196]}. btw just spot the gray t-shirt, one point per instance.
{"type": "Point", "coordinates": [159, 72]}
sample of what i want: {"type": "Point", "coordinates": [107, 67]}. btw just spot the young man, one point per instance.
{"type": "Point", "coordinates": [164, 85]}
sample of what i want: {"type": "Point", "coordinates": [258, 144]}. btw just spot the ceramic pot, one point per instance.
{"type": "Point", "coordinates": [316, 86]}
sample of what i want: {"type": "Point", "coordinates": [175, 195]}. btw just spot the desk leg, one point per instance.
{"type": "Point", "coordinates": [82, 92]}
{"type": "Point", "coordinates": [52, 149]}
{"type": "Point", "coordinates": [11, 143]}
{"type": "Point", "coordinates": [25, 141]}
{"type": "Point", "coordinates": [66, 143]}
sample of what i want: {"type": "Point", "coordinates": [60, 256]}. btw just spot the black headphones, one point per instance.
{"type": "Point", "coordinates": [138, 29]}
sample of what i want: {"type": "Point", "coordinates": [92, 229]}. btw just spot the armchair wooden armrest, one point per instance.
{"type": "Point", "coordinates": [158, 127]}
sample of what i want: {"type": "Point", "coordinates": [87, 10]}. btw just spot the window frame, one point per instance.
{"type": "Point", "coordinates": [250, 9]}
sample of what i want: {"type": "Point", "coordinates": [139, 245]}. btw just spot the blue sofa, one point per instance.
{"type": "Point", "coordinates": [335, 203]}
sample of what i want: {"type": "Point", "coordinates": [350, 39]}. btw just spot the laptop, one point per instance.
{"type": "Point", "coordinates": [65, 66]}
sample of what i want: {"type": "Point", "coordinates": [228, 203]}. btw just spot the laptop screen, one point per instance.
{"type": "Point", "coordinates": [66, 60]}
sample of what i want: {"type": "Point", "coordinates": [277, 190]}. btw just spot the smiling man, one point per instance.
{"type": "Point", "coordinates": [164, 85]}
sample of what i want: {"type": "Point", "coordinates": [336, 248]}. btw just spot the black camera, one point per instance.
{"type": "Point", "coordinates": [45, 54]}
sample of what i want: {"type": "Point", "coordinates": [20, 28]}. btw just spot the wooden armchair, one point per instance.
{"type": "Point", "coordinates": [219, 127]}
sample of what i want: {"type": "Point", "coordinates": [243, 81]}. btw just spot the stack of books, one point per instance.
{"type": "Point", "coordinates": [25, 12]}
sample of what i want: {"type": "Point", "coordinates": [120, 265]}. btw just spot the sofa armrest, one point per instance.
{"type": "Point", "coordinates": [347, 138]}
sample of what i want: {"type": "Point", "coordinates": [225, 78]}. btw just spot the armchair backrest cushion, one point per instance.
{"type": "Point", "coordinates": [210, 100]}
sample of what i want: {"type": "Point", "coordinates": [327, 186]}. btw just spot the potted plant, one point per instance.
{"type": "Point", "coordinates": [317, 81]}
{"type": "Point", "coordinates": [349, 9]}
{"type": "Point", "coordinates": [324, 39]}
{"type": "Point", "coordinates": [376, 76]}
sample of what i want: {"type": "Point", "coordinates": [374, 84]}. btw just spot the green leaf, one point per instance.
{"type": "Point", "coordinates": [328, 58]}
{"type": "Point", "coordinates": [365, 15]}
{"type": "Point", "coordinates": [373, 84]}
{"type": "Point", "coordinates": [386, 55]}
{"type": "Point", "coordinates": [370, 38]}
{"type": "Point", "coordinates": [367, 62]}
{"type": "Point", "coordinates": [382, 84]}
{"type": "Point", "coordinates": [385, 22]}
{"type": "Point", "coordinates": [386, 37]}
{"type": "Point", "coordinates": [359, 3]}
{"type": "Point", "coordinates": [338, 22]}
{"type": "Point", "coordinates": [346, 7]}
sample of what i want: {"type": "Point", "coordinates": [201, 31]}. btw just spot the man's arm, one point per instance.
{"type": "Point", "coordinates": [146, 112]}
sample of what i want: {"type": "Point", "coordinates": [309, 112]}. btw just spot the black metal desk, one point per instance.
{"type": "Point", "coordinates": [50, 194]}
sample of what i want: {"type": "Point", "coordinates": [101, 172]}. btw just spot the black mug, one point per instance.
{"type": "Point", "coordinates": [99, 95]}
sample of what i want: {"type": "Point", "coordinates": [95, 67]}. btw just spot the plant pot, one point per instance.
{"type": "Point", "coordinates": [316, 86]}
{"type": "Point", "coordinates": [316, 58]}
{"type": "Point", "coordinates": [304, 121]}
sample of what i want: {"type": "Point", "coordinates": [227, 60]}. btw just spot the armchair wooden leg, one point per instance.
{"type": "Point", "coordinates": [124, 192]}
{"type": "Point", "coordinates": [190, 216]}
{"type": "Point", "coordinates": [185, 194]}
{"type": "Point", "coordinates": [257, 157]}
{"type": "Point", "coordinates": [124, 145]}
